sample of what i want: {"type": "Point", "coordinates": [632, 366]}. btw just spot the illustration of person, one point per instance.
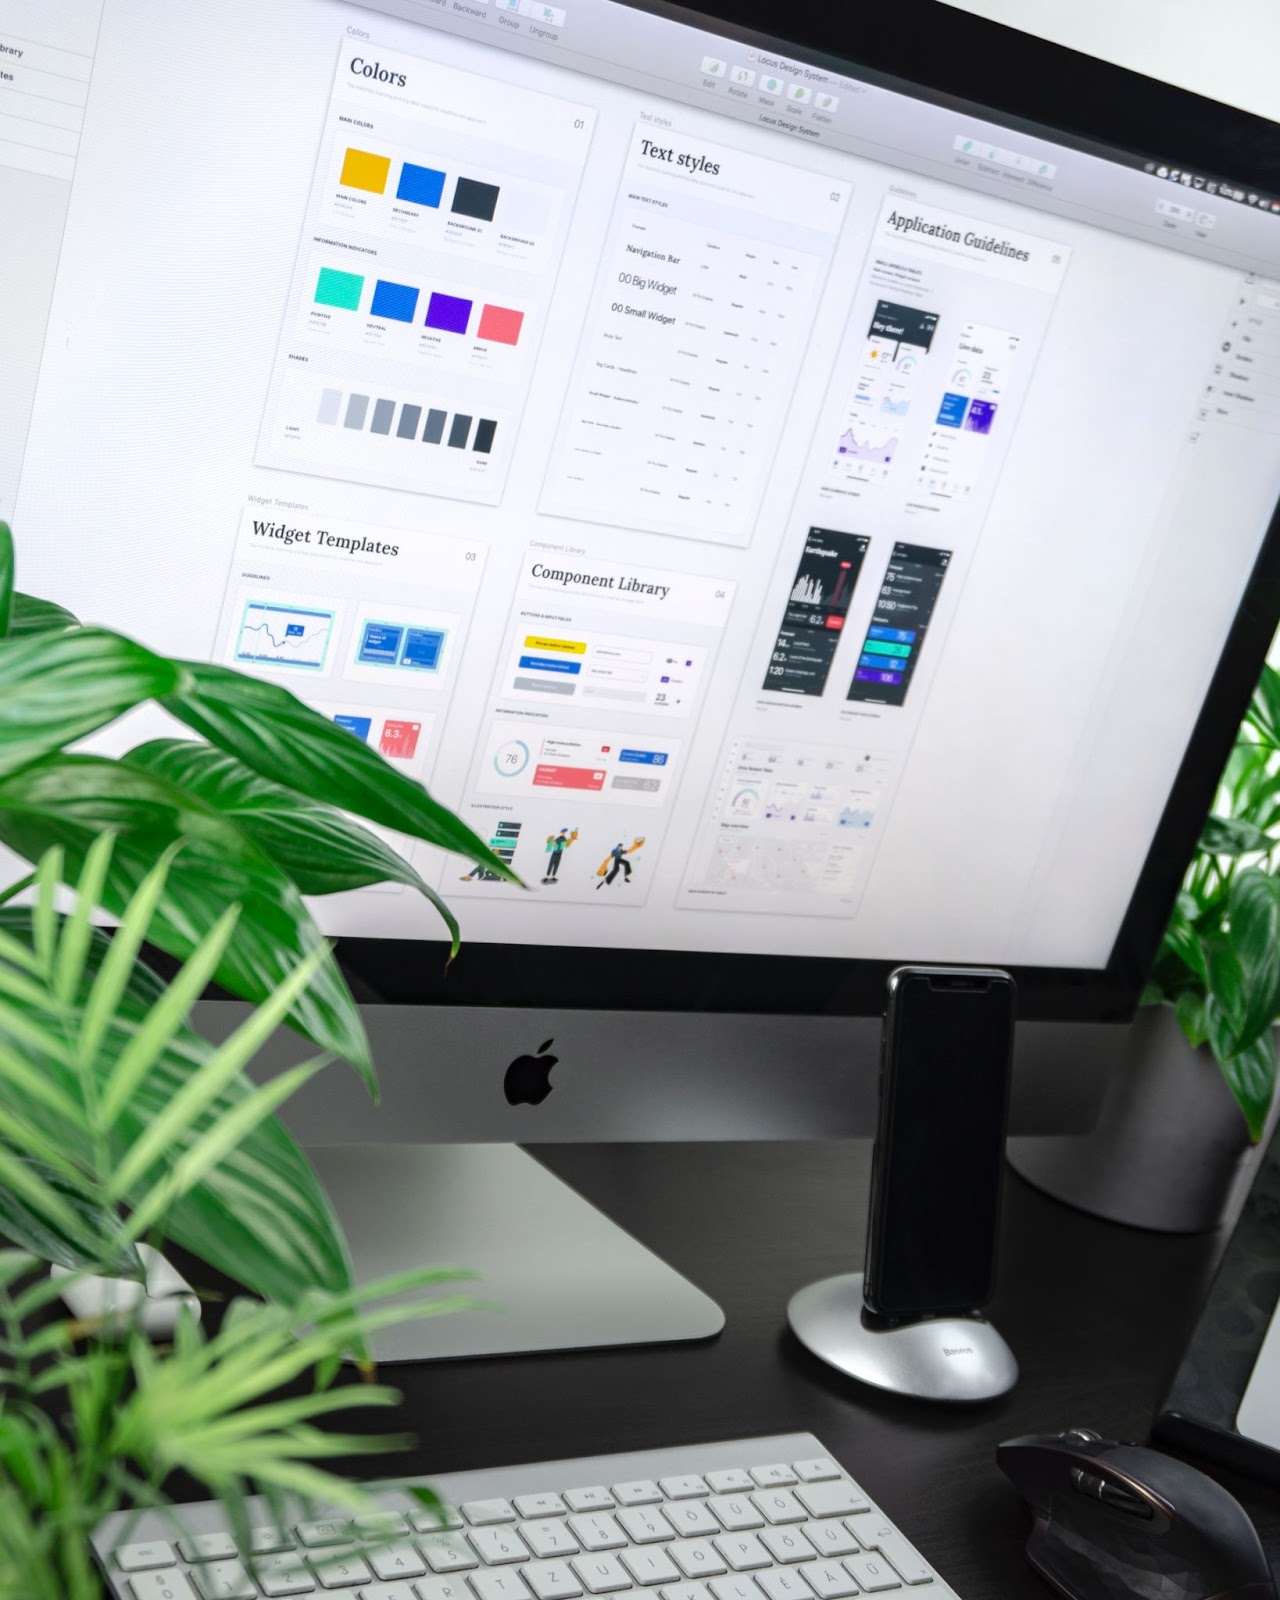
{"type": "Point", "coordinates": [479, 874]}
{"type": "Point", "coordinates": [616, 862]}
{"type": "Point", "coordinates": [557, 844]}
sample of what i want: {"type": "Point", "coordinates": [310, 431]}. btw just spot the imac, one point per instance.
{"type": "Point", "coordinates": [807, 520]}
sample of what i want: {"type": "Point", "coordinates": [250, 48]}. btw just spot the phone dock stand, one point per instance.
{"type": "Point", "coordinates": [937, 1358]}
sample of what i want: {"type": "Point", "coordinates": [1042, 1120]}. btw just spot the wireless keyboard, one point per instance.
{"type": "Point", "coordinates": [751, 1519]}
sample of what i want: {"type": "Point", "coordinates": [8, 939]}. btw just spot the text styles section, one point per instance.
{"type": "Point", "coordinates": [698, 324]}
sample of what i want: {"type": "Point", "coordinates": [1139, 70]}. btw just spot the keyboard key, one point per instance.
{"type": "Point", "coordinates": [691, 1518]}
{"type": "Point", "coordinates": [269, 1540]}
{"type": "Point", "coordinates": [339, 1569]}
{"type": "Point", "coordinates": [483, 1513]}
{"type": "Point", "coordinates": [735, 1588]}
{"type": "Point", "coordinates": [540, 1505]}
{"type": "Point", "coordinates": [399, 1560]}
{"type": "Point", "coordinates": [600, 1574]}
{"type": "Point", "coordinates": [827, 1579]}
{"type": "Point", "coordinates": [650, 1565]}
{"type": "Point", "coordinates": [729, 1479]}
{"type": "Point", "coordinates": [441, 1589]}
{"type": "Point", "coordinates": [207, 1547]}
{"type": "Point", "coordinates": [223, 1580]}
{"type": "Point", "coordinates": [683, 1488]}
{"type": "Point", "coordinates": [597, 1498]}
{"type": "Point", "coordinates": [831, 1499]}
{"type": "Point", "coordinates": [551, 1580]}
{"type": "Point", "coordinates": [907, 1563]}
{"type": "Point", "coordinates": [816, 1470]}
{"type": "Point", "coordinates": [831, 1538]}
{"type": "Point", "coordinates": [743, 1551]}
{"type": "Point", "coordinates": [784, 1584]}
{"type": "Point", "coordinates": [447, 1552]}
{"type": "Point", "coordinates": [685, 1591]}
{"type": "Point", "coordinates": [697, 1558]}
{"type": "Point", "coordinates": [382, 1522]}
{"type": "Point", "coordinates": [138, 1557]}
{"type": "Point", "coordinates": [316, 1534]}
{"type": "Point", "coordinates": [282, 1573]}
{"type": "Point", "coordinates": [497, 1546]}
{"type": "Point", "coordinates": [163, 1583]}
{"type": "Point", "coordinates": [777, 1475]}
{"type": "Point", "coordinates": [788, 1544]}
{"type": "Point", "coordinates": [388, 1591]}
{"type": "Point", "coordinates": [643, 1526]}
{"type": "Point", "coordinates": [735, 1511]}
{"type": "Point", "coordinates": [872, 1572]}
{"type": "Point", "coordinates": [869, 1527]}
{"type": "Point", "coordinates": [779, 1505]}
{"type": "Point", "coordinates": [426, 1521]}
{"type": "Point", "coordinates": [597, 1531]}
{"type": "Point", "coordinates": [644, 1492]}
{"type": "Point", "coordinates": [499, 1586]}
{"type": "Point", "coordinates": [549, 1538]}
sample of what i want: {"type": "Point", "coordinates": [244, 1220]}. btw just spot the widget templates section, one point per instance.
{"type": "Point", "coordinates": [432, 239]}
{"type": "Point", "coordinates": [946, 324]}
{"type": "Point", "coordinates": [364, 623]}
{"type": "Point", "coordinates": [788, 830]}
{"type": "Point", "coordinates": [699, 320]}
{"type": "Point", "coordinates": [826, 576]}
{"type": "Point", "coordinates": [592, 710]}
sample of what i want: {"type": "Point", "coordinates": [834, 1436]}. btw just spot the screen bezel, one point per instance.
{"type": "Point", "coordinates": [987, 69]}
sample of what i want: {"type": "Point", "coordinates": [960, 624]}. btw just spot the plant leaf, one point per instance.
{"type": "Point", "coordinates": [273, 733]}
{"type": "Point", "coordinates": [31, 615]}
{"type": "Point", "coordinates": [323, 851]}
{"type": "Point", "coordinates": [1264, 707]}
{"type": "Point", "coordinates": [1254, 907]}
{"type": "Point", "coordinates": [1233, 836]}
{"type": "Point", "coordinates": [6, 578]}
{"type": "Point", "coordinates": [1189, 1010]}
{"type": "Point", "coordinates": [59, 687]}
{"type": "Point", "coordinates": [68, 800]}
{"type": "Point", "coordinates": [1251, 1075]}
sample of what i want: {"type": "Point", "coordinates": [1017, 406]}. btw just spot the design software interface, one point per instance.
{"type": "Point", "coordinates": [780, 514]}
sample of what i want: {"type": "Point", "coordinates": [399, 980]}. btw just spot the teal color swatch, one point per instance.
{"type": "Point", "coordinates": [341, 289]}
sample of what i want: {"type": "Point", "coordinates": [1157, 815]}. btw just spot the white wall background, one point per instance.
{"type": "Point", "coordinates": [1228, 50]}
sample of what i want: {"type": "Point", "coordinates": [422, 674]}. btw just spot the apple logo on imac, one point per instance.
{"type": "Point", "coordinates": [528, 1078]}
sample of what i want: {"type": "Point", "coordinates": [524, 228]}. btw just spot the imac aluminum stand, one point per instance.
{"type": "Point", "coordinates": [938, 1358]}
{"type": "Point", "coordinates": [552, 1272]}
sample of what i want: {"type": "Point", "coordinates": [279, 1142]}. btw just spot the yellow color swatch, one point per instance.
{"type": "Point", "coordinates": [360, 170]}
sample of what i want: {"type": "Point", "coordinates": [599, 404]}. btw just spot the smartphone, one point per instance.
{"type": "Point", "coordinates": [946, 1053]}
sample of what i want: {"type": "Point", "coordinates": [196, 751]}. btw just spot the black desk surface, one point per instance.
{"type": "Point", "coordinates": [1097, 1316]}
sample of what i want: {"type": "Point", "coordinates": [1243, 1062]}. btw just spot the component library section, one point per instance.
{"type": "Point", "coordinates": [431, 244]}
{"type": "Point", "coordinates": [593, 711]}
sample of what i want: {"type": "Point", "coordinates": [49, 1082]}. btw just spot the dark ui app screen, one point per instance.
{"type": "Point", "coordinates": [887, 660]}
{"type": "Point", "coordinates": [816, 609]}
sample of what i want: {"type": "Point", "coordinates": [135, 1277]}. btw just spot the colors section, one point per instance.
{"type": "Point", "coordinates": [398, 302]}
{"type": "Point", "coordinates": [418, 185]}
{"type": "Point", "coordinates": [377, 414]}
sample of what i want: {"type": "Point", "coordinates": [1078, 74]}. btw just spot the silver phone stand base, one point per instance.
{"type": "Point", "coordinates": [940, 1358]}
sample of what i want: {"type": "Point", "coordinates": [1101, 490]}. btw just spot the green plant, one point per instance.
{"type": "Point", "coordinates": [120, 1125]}
{"type": "Point", "coordinates": [220, 841]}
{"type": "Point", "coordinates": [1219, 961]}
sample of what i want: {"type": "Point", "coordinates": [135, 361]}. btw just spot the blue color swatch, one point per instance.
{"type": "Point", "coordinates": [421, 186]}
{"type": "Point", "coordinates": [395, 301]}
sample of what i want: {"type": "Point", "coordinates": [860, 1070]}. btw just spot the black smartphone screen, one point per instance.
{"type": "Point", "coordinates": [816, 608]}
{"type": "Point", "coordinates": [935, 1200]}
{"type": "Point", "coordinates": [899, 623]}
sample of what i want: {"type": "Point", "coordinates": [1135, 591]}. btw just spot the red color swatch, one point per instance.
{"type": "Point", "coordinates": [500, 325]}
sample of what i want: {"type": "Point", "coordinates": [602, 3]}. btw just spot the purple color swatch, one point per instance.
{"type": "Point", "coordinates": [982, 413]}
{"type": "Point", "coordinates": [448, 313]}
{"type": "Point", "coordinates": [865, 675]}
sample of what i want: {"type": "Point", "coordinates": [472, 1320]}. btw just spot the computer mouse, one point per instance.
{"type": "Point", "coordinates": [1117, 1520]}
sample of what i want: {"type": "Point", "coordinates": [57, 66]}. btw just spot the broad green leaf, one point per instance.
{"type": "Point", "coordinates": [68, 801]}
{"type": "Point", "coordinates": [69, 1229]}
{"type": "Point", "coordinates": [1264, 708]}
{"type": "Point", "coordinates": [1251, 1074]}
{"type": "Point", "coordinates": [1226, 1002]}
{"type": "Point", "coordinates": [59, 687]}
{"type": "Point", "coordinates": [272, 732]}
{"type": "Point", "coordinates": [1233, 836]}
{"type": "Point", "coordinates": [6, 577]}
{"type": "Point", "coordinates": [261, 1216]}
{"type": "Point", "coordinates": [31, 615]}
{"type": "Point", "coordinates": [1189, 1011]}
{"type": "Point", "coordinates": [1254, 905]}
{"type": "Point", "coordinates": [322, 850]}
{"type": "Point", "coordinates": [1182, 941]}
